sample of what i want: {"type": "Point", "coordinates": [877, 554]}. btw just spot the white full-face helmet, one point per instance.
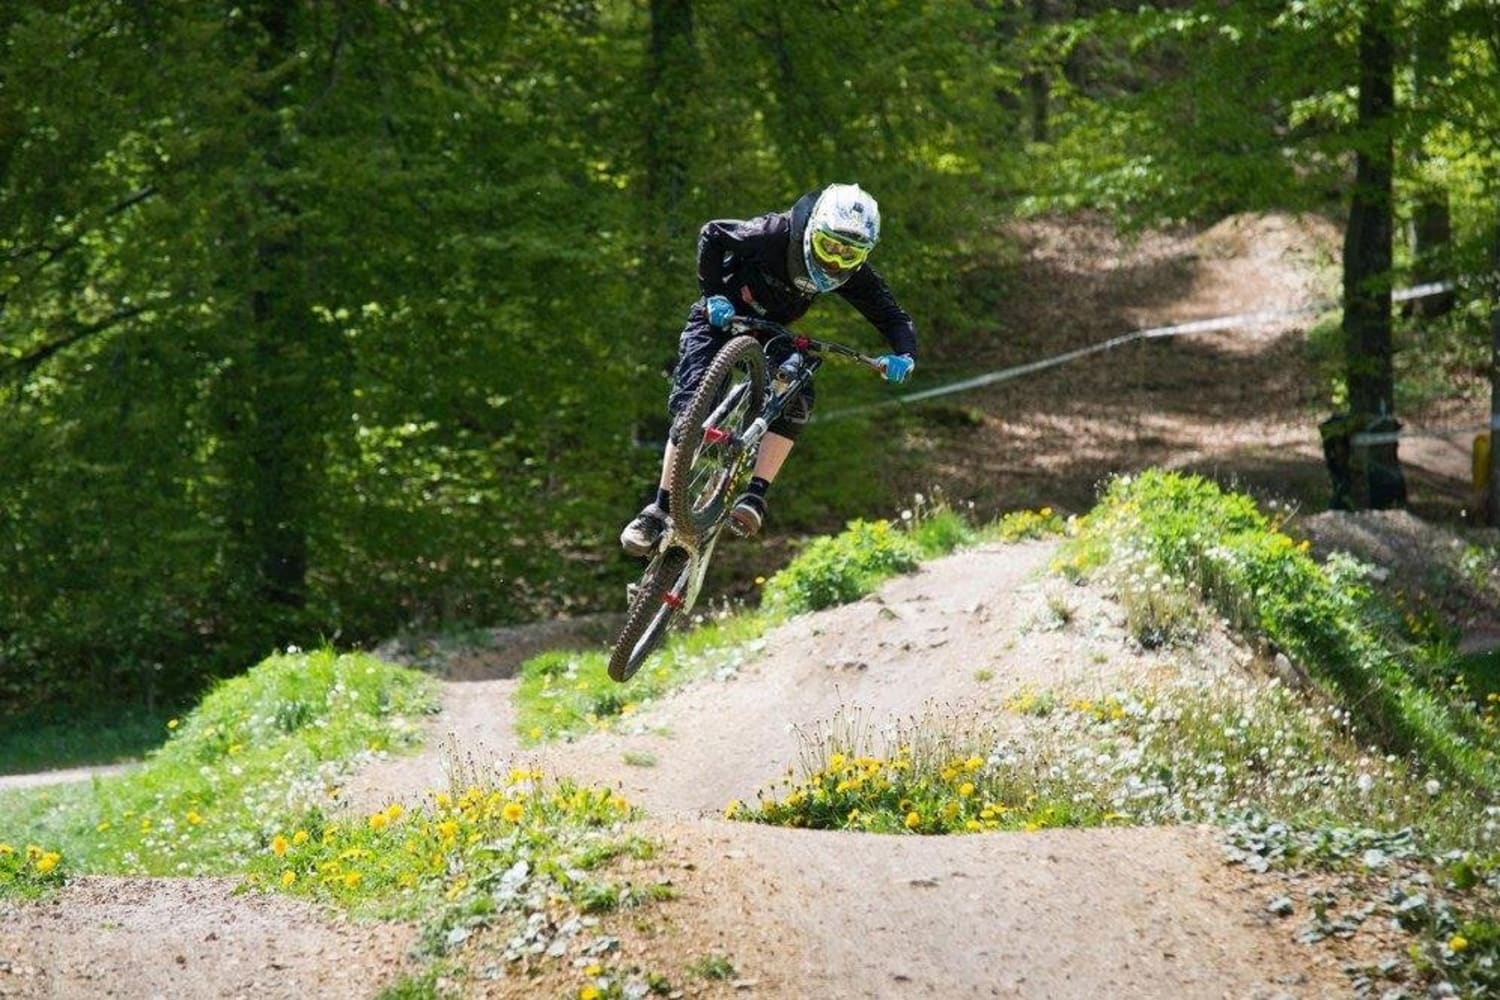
{"type": "Point", "coordinates": [842, 229]}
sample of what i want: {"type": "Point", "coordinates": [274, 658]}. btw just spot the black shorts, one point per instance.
{"type": "Point", "coordinates": [696, 350]}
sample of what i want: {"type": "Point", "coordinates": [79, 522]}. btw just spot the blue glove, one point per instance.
{"type": "Point", "coordinates": [896, 367]}
{"type": "Point", "coordinates": [720, 311]}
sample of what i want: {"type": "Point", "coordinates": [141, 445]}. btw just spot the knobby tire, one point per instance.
{"type": "Point", "coordinates": [650, 615]}
{"type": "Point", "coordinates": [704, 473]}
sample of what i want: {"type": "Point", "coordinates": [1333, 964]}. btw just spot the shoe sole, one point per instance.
{"type": "Point", "coordinates": [744, 523]}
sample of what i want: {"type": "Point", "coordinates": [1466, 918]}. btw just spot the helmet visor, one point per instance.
{"type": "Point", "coordinates": [838, 251]}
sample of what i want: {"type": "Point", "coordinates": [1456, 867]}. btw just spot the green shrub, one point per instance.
{"type": "Point", "coordinates": [1223, 549]}
{"type": "Point", "coordinates": [269, 743]}
{"type": "Point", "coordinates": [842, 568]}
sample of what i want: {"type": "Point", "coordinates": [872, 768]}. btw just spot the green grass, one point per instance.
{"type": "Point", "coordinates": [271, 743]}
{"type": "Point", "coordinates": [45, 741]}
{"type": "Point", "coordinates": [1195, 540]}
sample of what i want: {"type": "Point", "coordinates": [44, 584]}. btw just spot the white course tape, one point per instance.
{"type": "Point", "coordinates": [1232, 322]}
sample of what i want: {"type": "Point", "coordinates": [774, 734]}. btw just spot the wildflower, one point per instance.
{"type": "Point", "coordinates": [512, 812]}
{"type": "Point", "coordinates": [288, 877]}
{"type": "Point", "coordinates": [973, 763]}
{"type": "Point", "coordinates": [590, 992]}
{"type": "Point", "coordinates": [193, 817]}
{"type": "Point", "coordinates": [1433, 786]}
{"type": "Point", "coordinates": [352, 879]}
{"type": "Point", "coordinates": [733, 808]}
{"type": "Point", "coordinates": [1457, 943]}
{"type": "Point", "coordinates": [279, 845]}
{"type": "Point", "coordinates": [173, 724]}
{"type": "Point", "coordinates": [47, 862]}
{"type": "Point", "coordinates": [913, 820]}
{"type": "Point", "coordinates": [299, 838]}
{"type": "Point", "coordinates": [593, 970]}
{"type": "Point", "coordinates": [394, 811]}
{"type": "Point", "coordinates": [966, 789]}
{"type": "Point", "coordinates": [378, 821]}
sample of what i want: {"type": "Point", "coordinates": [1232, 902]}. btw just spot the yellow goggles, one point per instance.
{"type": "Point", "coordinates": [842, 253]}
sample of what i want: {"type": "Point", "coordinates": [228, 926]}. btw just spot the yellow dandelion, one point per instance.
{"type": "Point", "coordinates": [379, 821]}
{"type": "Point", "coordinates": [173, 723]}
{"type": "Point", "coordinates": [288, 878]}
{"type": "Point", "coordinates": [352, 879]}
{"type": "Point", "coordinates": [512, 812]}
{"type": "Point", "coordinates": [733, 809]}
{"type": "Point", "coordinates": [973, 763]}
{"type": "Point", "coordinates": [447, 830]}
{"type": "Point", "coordinates": [394, 811]}
{"type": "Point", "coordinates": [973, 826]}
{"type": "Point", "coordinates": [279, 845]}
{"type": "Point", "coordinates": [1458, 942]}
{"type": "Point", "coordinates": [913, 820]}
{"type": "Point", "coordinates": [47, 862]}
{"type": "Point", "coordinates": [593, 970]}
{"type": "Point", "coordinates": [836, 762]}
{"type": "Point", "coordinates": [299, 838]}
{"type": "Point", "coordinates": [966, 789]}
{"type": "Point", "coordinates": [193, 817]}
{"type": "Point", "coordinates": [6, 849]}
{"type": "Point", "coordinates": [102, 826]}
{"type": "Point", "coordinates": [443, 800]}
{"type": "Point", "coordinates": [590, 992]}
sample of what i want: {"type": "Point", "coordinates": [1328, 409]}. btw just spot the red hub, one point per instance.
{"type": "Point", "coordinates": [716, 435]}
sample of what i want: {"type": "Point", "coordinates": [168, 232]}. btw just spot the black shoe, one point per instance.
{"type": "Point", "coordinates": [748, 514]}
{"type": "Point", "coordinates": [641, 535]}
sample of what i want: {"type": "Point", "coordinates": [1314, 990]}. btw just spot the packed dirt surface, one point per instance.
{"type": "Point", "coordinates": [1067, 913]}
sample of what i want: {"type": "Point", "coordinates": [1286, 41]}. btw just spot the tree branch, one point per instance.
{"type": "Point", "coordinates": [21, 368]}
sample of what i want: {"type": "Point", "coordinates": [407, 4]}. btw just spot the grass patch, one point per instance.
{"type": "Point", "coordinates": [45, 741]}
{"type": "Point", "coordinates": [260, 747]}
{"type": "Point", "coordinates": [501, 852]}
{"type": "Point", "coordinates": [564, 695]}
{"type": "Point", "coordinates": [1215, 546]}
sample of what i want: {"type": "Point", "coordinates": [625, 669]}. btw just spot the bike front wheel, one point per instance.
{"type": "Point", "coordinates": [712, 458]}
{"type": "Point", "coordinates": [658, 600]}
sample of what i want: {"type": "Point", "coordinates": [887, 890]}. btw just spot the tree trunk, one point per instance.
{"type": "Point", "coordinates": [671, 141]}
{"type": "Point", "coordinates": [275, 405]}
{"type": "Point", "coordinates": [1367, 268]}
{"type": "Point", "coordinates": [1432, 223]}
{"type": "Point", "coordinates": [1492, 492]}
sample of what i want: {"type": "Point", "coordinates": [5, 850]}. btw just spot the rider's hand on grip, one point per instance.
{"type": "Point", "coordinates": [896, 367]}
{"type": "Point", "coordinates": [720, 311]}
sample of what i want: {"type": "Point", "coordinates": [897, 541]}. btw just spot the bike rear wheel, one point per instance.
{"type": "Point", "coordinates": [657, 602]}
{"type": "Point", "coordinates": [711, 459]}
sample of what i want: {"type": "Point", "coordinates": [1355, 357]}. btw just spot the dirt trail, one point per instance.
{"type": "Point", "coordinates": [1142, 913]}
{"type": "Point", "coordinates": [1084, 913]}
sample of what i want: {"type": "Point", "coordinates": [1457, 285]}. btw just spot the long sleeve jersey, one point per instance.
{"type": "Point", "coordinates": [756, 264]}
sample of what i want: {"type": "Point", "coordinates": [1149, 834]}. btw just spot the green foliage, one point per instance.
{"type": "Point", "coordinates": [343, 324]}
{"type": "Point", "coordinates": [269, 744]}
{"type": "Point", "coordinates": [29, 871]}
{"type": "Point", "coordinates": [46, 740]}
{"type": "Point", "coordinates": [841, 568]}
{"type": "Point", "coordinates": [567, 694]}
{"type": "Point", "coordinates": [488, 854]}
{"type": "Point", "coordinates": [1222, 548]}
{"type": "Point", "coordinates": [1021, 525]}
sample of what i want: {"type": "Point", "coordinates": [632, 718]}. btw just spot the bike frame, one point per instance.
{"type": "Point", "coordinates": [805, 360]}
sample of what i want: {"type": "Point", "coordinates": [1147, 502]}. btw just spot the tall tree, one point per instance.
{"type": "Point", "coordinates": [1368, 357]}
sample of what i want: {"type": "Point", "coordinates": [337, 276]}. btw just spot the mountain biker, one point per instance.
{"type": "Point", "coordinates": [774, 267]}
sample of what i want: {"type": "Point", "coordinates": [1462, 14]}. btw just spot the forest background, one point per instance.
{"type": "Point", "coordinates": [325, 321]}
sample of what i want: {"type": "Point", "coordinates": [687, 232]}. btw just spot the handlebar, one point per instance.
{"type": "Point", "coordinates": [750, 324]}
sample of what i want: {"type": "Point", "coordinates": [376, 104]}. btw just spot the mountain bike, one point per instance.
{"type": "Point", "coordinates": [719, 434]}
